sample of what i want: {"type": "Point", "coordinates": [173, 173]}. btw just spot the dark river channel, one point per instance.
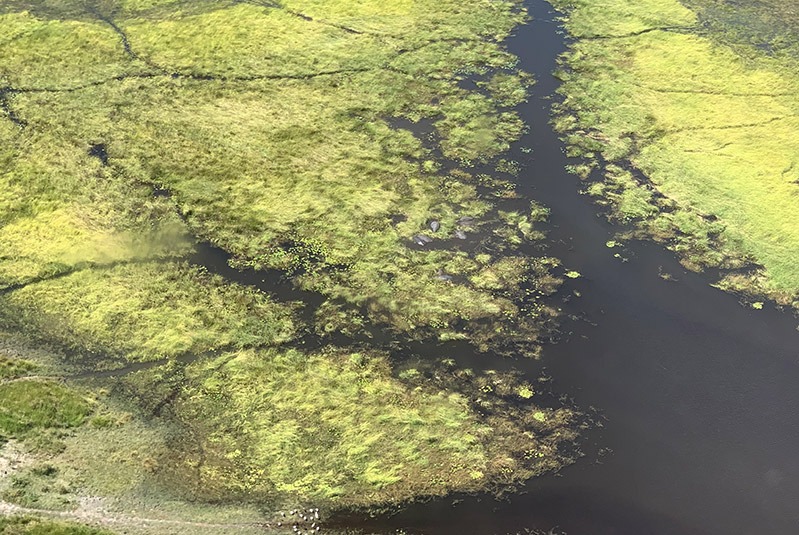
{"type": "Point", "coordinates": [700, 393]}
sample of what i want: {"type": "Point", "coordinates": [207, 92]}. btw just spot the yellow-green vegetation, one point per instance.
{"type": "Point", "coordinates": [26, 525]}
{"type": "Point", "coordinates": [13, 368]}
{"type": "Point", "coordinates": [770, 25]}
{"type": "Point", "coordinates": [268, 125]}
{"type": "Point", "coordinates": [60, 210]}
{"type": "Point", "coordinates": [274, 428]}
{"type": "Point", "coordinates": [679, 96]}
{"type": "Point", "coordinates": [335, 428]}
{"type": "Point", "coordinates": [149, 312]}
{"type": "Point", "coordinates": [130, 130]}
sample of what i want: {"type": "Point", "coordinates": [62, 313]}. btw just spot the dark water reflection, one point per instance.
{"type": "Point", "coordinates": [700, 393]}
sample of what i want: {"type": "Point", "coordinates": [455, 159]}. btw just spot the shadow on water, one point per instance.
{"type": "Point", "coordinates": [699, 392]}
{"type": "Point", "coordinates": [217, 261]}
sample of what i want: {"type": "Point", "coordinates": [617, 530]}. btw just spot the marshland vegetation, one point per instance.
{"type": "Point", "coordinates": [685, 115]}
{"type": "Point", "coordinates": [132, 130]}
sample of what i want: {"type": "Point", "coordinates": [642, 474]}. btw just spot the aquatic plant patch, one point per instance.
{"type": "Point", "coordinates": [334, 428]}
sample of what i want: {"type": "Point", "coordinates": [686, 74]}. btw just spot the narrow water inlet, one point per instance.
{"type": "Point", "coordinates": [699, 392]}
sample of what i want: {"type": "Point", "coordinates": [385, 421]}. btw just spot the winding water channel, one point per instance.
{"type": "Point", "coordinates": [701, 394]}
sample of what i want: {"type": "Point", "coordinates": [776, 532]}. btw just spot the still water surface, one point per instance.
{"type": "Point", "coordinates": [700, 393]}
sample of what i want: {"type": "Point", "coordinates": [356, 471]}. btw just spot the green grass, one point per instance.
{"type": "Point", "coordinates": [238, 36]}
{"type": "Point", "coordinates": [770, 25]}
{"type": "Point", "coordinates": [26, 525]}
{"type": "Point", "coordinates": [150, 311]}
{"type": "Point", "coordinates": [301, 175]}
{"type": "Point", "coordinates": [712, 127]}
{"type": "Point", "coordinates": [323, 427]}
{"type": "Point", "coordinates": [60, 210]}
{"type": "Point", "coordinates": [28, 406]}
{"type": "Point", "coordinates": [11, 368]}
{"type": "Point", "coordinates": [27, 40]}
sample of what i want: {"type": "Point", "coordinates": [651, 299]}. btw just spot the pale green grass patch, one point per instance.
{"type": "Point", "coordinates": [26, 525]}
{"type": "Point", "coordinates": [50, 53]}
{"type": "Point", "coordinates": [325, 427]}
{"type": "Point", "coordinates": [417, 18]}
{"type": "Point", "coordinates": [589, 18]}
{"type": "Point", "coordinates": [716, 134]}
{"type": "Point", "coordinates": [149, 311]}
{"type": "Point", "coordinates": [248, 40]}
{"type": "Point", "coordinates": [28, 406]}
{"type": "Point", "coordinates": [335, 428]}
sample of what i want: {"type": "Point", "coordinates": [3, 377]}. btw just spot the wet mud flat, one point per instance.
{"type": "Point", "coordinates": [698, 391]}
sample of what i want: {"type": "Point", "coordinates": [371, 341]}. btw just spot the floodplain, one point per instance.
{"type": "Point", "coordinates": [337, 150]}
{"type": "Point", "coordinates": [348, 162]}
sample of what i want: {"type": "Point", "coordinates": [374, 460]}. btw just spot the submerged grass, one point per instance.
{"type": "Point", "coordinates": [710, 124]}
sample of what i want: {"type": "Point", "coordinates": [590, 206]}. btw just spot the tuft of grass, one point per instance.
{"type": "Point", "coordinates": [13, 368]}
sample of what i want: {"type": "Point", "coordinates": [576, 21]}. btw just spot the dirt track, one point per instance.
{"type": "Point", "coordinates": [109, 520]}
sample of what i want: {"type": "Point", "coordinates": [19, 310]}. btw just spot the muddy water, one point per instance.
{"type": "Point", "coordinates": [701, 394]}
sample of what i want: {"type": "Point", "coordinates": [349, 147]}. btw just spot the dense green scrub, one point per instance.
{"type": "Point", "coordinates": [681, 97]}
{"type": "Point", "coordinates": [131, 130]}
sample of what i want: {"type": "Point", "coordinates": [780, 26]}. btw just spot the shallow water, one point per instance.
{"type": "Point", "coordinates": [700, 393]}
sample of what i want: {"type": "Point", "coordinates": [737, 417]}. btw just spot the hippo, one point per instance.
{"type": "Point", "coordinates": [421, 239]}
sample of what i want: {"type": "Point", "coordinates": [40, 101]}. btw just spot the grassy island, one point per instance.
{"type": "Point", "coordinates": [689, 113]}
{"type": "Point", "coordinates": [330, 151]}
